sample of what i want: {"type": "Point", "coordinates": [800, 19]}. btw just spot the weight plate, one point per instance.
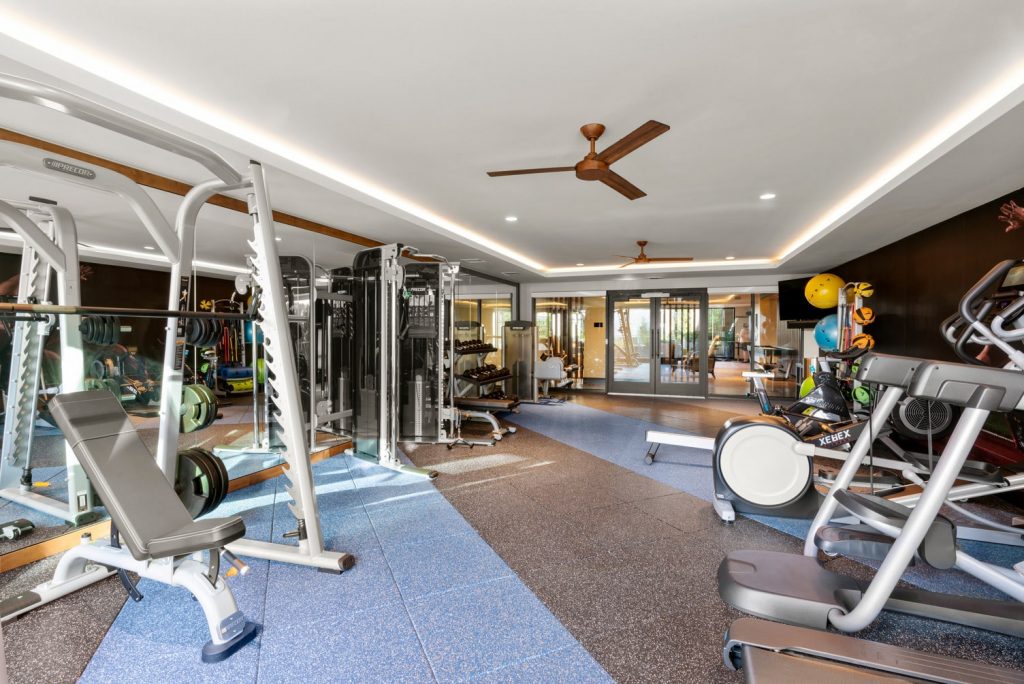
{"type": "Point", "coordinates": [211, 339]}
{"type": "Point", "coordinates": [191, 330]}
{"type": "Point", "coordinates": [85, 327]}
{"type": "Point", "coordinates": [209, 404]}
{"type": "Point", "coordinates": [217, 484]}
{"type": "Point", "coordinates": [190, 408]}
{"type": "Point", "coordinates": [225, 477]}
{"type": "Point", "coordinates": [115, 330]}
{"type": "Point", "coordinates": [192, 481]}
{"type": "Point", "coordinates": [222, 478]}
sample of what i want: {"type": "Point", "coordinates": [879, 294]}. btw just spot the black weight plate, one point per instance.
{"type": "Point", "coordinates": [217, 486]}
{"type": "Point", "coordinates": [191, 330]}
{"type": "Point", "coordinates": [192, 482]}
{"type": "Point", "coordinates": [218, 332]}
{"type": "Point", "coordinates": [216, 326]}
{"type": "Point", "coordinates": [85, 327]}
{"type": "Point", "coordinates": [222, 479]}
{"type": "Point", "coordinates": [225, 478]}
{"type": "Point", "coordinates": [115, 330]}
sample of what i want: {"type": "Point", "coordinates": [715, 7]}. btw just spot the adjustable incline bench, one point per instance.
{"type": "Point", "coordinates": [163, 542]}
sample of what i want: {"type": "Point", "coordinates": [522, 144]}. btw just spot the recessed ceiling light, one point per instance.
{"type": "Point", "coordinates": [279, 239]}
{"type": "Point", "coordinates": [768, 196]}
{"type": "Point", "coordinates": [510, 273]}
{"type": "Point", "coordinates": [581, 264]}
{"type": "Point", "coordinates": [511, 219]}
{"type": "Point", "coordinates": [729, 258]}
{"type": "Point", "coordinates": [149, 247]}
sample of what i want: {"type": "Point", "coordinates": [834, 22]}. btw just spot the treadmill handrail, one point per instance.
{"type": "Point", "coordinates": [25, 90]}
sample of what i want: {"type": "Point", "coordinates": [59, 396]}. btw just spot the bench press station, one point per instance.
{"type": "Point", "coordinates": [161, 541]}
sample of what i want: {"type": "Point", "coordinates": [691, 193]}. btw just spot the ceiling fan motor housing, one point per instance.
{"type": "Point", "coordinates": [591, 170]}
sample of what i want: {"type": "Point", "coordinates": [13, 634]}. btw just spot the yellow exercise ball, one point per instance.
{"type": "Point", "coordinates": [823, 290]}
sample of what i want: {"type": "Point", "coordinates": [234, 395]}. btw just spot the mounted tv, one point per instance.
{"type": "Point", "coordinates": [793, 305]}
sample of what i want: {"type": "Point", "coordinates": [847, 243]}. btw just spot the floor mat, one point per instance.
{"type": "Point", "coordinates": [427, 600]}
{"type": "Point", "coordinates": [623, 441]}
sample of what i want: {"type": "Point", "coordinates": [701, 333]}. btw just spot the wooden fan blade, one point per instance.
{"type": "Point", "coordinates": [621, 185]}
{"type": "Point", "coordinates": [628, 264]}
{"type": "Point", "coordinates": [641, 136]}
{"type": "Point", "coordinates": [670, 258]}
{"type": "Point", "coordinates": [520, 172]}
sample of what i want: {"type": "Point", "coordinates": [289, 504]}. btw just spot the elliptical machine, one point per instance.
{"type": "Point", "coordinates": [796, 589]}
{"type": "Point", "coordinates": [764, 465]}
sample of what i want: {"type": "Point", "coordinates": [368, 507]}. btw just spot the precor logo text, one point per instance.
{"type": "Point", "coordinates": [70, 169]}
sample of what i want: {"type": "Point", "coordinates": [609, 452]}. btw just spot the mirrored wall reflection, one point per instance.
{"type": "Point", "coordinates": [572, 329]}
{"type": "Point", "coordinates": [778, 348]}
{"type": "Point", "coordinates": [43, 492]}
{"type": "Point", "coordinates": [482, 307]}
{"type": "Point", "coordinates": [745, 333]}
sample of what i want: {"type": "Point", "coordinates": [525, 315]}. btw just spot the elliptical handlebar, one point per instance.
{"type": "Point", "coordinates": [970, 325]}
{"type": "Point", "coordinates": [973, 299]}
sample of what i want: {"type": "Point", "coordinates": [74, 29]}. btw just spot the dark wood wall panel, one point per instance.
{"type": "Point", "coordinates": [109, 285]}
{"type": "Point", "coordinates": [919, 280]}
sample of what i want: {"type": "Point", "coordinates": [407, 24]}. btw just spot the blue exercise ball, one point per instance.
{"type": "Point", "coordinates": [826, 333]}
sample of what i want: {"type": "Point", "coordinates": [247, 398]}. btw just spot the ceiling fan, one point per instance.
{"type": "Point", "coordinates": [642, 258]}
{"type": "Point", "coordinates": [595, 165]}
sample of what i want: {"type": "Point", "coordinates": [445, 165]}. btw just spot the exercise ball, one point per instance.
{"type": "Point", "coordinates": [823, 290]}
{"type": "Point", "coordinates": [806, 386]}
{"type": "Point", "coordinates": [864, 290]}
{"type": "Point", "coordinates": [863, 341]}
{"type": "Point", "coordinates": [863, 315]}
{"type": "Point", "coordinates": [826, 332]}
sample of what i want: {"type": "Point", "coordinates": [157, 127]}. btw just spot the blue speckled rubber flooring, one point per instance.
{"type": "Point", "coordinates": [427, 600]}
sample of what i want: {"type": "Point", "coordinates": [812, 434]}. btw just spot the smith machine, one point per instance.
{"type": "Point", "coordinates": [177, 246]}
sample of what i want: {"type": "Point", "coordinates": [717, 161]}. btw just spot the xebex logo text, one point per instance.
{"type": "Point", "coordinates": [70, 169]}
{"type": "Point", "coordinates": [834, 437]}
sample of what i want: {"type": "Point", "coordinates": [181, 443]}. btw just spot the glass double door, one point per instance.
{"type": "Point", "coordinates": [658, 342]}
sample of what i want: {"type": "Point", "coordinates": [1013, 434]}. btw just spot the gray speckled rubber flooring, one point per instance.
{"type": "Point", "coordinates": [53, 644]}
{"type": "Point", "coordinates": [629, 565]}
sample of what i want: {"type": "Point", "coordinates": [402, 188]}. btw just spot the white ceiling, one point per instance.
{"type": "Point", "coordinates": [385, 116]}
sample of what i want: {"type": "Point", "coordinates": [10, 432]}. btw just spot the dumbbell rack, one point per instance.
{"type": "Point", "coordinates": [466, 397]}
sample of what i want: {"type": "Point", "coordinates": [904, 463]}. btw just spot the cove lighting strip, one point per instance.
{"type": "Point", "coordinates": [148, 257]}
{"type": "Point", "coordinates": [995, 99]}
{"type": "Point", "coordinates": [991, 102]}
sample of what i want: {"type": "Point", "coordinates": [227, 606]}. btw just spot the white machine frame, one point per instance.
{"type": "Point", "coordinates": [51, 242]}
{"type": "Point", "coordinates": [178, 247]}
